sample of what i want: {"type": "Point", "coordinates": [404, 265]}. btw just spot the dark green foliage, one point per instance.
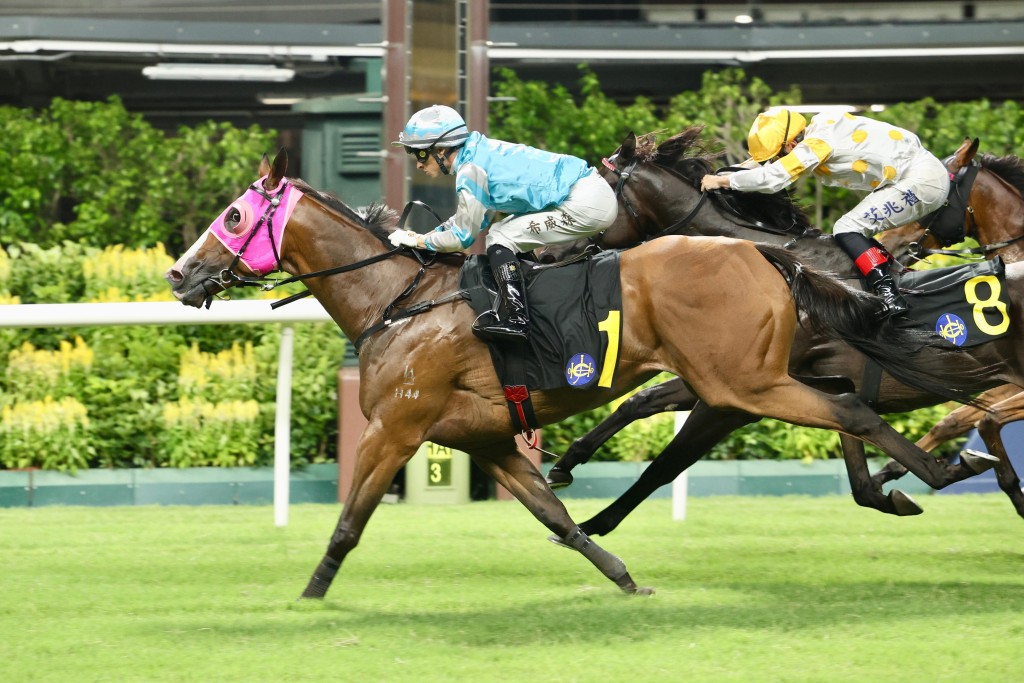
{"type": "Point", "coordinates": [95, 174]}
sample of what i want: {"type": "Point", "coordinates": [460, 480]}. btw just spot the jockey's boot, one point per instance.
{"type": "Point", "coordinates": [873, 263]}
{"type": "Point", "coordinates": [880, 280]}
{"type": "Point", "coordinates": [511, 319]}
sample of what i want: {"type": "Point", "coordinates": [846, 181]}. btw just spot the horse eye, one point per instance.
{"type": "Point", "coordinates": [232, 219]}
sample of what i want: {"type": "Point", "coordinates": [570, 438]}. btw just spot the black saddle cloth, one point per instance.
{"type": "Point", "coordinates": [966, 305]}
{"type": "Point", "coordinates": [575, 322]}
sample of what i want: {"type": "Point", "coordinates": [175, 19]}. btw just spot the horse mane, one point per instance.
{"type": "Point", "coordinates": [1010, 168]}
{"type": "Point", "coordinates": [378, 218]}
{"type": "Point", "coordinates": [688, 156]}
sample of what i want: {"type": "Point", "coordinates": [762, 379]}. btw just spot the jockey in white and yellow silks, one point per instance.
{"type": "Point", "coordinates": [906, 182]}
{"type": "Point", "coordinates": [549, 198]}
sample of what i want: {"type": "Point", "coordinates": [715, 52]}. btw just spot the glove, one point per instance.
{"type": "Point", "coordinates": [404, 238]}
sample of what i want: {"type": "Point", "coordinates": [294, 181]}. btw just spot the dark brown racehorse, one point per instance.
{"type": "Point", "coordinates": [660, 194]}
{"type": "Point", "coordinates": [744, 293]}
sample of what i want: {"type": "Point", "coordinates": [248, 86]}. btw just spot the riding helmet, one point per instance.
{"type": "Point", "coordinates": [773, 129]}
{"type": "Point", "coordinates": [437, 125]}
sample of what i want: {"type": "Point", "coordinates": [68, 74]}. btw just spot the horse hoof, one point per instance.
{"type": "Point", "coordinates": [559, 479]}
{"type": "Point", "coordinates": [559, 542]}
{"type": "Point", "coordinates": [905, 505]}
{"type": "Point", "coordinates": [976, 461]}
{"type": "Point", "coordinates": [644, 590]}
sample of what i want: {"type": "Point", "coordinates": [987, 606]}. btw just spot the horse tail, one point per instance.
{"type": "Point", "coordinates": [915, 357]}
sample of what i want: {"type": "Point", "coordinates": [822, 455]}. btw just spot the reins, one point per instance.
{"type": "Point", "coordinates": [683, 223]}
{"type": "Point", "coordinates": [390, 316]}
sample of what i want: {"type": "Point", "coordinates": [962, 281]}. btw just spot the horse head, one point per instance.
{"type": "Point", "coordinates": [989, 189]}
{"type": "Point", "coordinates": [243, 242]}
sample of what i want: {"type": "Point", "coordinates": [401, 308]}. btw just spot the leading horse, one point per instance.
{"type": "Point", "coordinates": [744, 293]}
{"type": "Point", "coordinates": [658, 189]}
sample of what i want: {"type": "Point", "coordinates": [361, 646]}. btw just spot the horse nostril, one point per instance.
{"type": "Point", "coordinates": [174, 275]}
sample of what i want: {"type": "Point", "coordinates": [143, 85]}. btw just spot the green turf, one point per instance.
{"type": "Point", "coordinates": [749, 589]}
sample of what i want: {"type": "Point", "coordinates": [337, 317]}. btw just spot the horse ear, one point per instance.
{"type": "Point", "coordinates": [973, 150]}
{"type": "Point", "coordinates": [628, 147]}
{"type": "Point", "coordinates": [264, 167]}
{"type": "Point", "coordinates": [277, 171]}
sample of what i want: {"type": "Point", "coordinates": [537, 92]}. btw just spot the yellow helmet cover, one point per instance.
{"type": "Point", "coordinates": [772, 130]}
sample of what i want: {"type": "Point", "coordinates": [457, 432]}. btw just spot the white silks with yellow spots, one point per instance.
{"type": "Point", "coordinates": [906, 181]}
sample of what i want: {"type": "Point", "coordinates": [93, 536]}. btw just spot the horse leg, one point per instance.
{"type": "Point", "coordinates": [670, 395]}
{"type": "Point", "coordinates": [515, 472]}
{"type": "Point", "coordinates": [379, 456]}
{"type": "Point", "coordinates": [989, 428]}
{"type": "Point", "coordinates": [798, 404]}
{"type": "Point", "coordinates": [704, 428]}
{"type": "Point", "coordinates": [864, 490]}
{"type": "Point", "coordinates": [956, 423]}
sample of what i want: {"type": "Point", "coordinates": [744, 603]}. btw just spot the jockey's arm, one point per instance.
{"type": "Point", "coordinates": [471, 213]}
{"type": "Point", "coordinates": [783, 172]}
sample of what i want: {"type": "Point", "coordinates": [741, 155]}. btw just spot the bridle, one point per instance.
{"type": "Point", "coordinates": [683, 223]}
{"type": "Point", "coordinates": [229, 278]}
{"type": "Point", "coordinates": [625, 174]}
{"type": "Point", "coordinates": [963, 222]}
{"type": "Point", "coordinates": [391, 314]}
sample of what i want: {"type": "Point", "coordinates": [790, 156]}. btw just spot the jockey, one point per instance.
{"type": "Point", "coordinates": [906, 182]}
{"type": "Point", "coordinates": [548, 198]}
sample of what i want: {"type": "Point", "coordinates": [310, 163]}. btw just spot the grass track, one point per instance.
{"type": "Point", "coordinates": [749, 589]}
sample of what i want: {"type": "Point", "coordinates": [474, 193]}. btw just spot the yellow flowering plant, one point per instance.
{"type": "Point", "coordinates": [49, 434]}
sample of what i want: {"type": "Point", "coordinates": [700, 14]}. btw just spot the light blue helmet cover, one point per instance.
{"type": "Point", "coordinates": [437, 125]}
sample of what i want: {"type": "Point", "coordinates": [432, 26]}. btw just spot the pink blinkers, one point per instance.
{"type": "Point", "coordinates": [252, 211]}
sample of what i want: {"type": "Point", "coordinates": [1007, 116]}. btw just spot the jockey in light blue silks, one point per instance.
{"type": "Point", "coordinates": [548, 198]}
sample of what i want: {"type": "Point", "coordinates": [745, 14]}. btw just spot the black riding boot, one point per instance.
{"type": "Point", "coordinates": [873, 263]}
{"type": "Point", "coordinates": [511, 320]}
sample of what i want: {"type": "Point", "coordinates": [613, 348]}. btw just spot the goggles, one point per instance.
{"type": "Point", "coordinates": [421, 154]}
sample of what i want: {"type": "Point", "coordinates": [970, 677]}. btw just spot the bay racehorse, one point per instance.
{"type": "Point", "coordinates": [744, 293]}
{"type": "Point", "coordinates": [659, 194]}
{"type": "Point", "coordinates": [994, 218]}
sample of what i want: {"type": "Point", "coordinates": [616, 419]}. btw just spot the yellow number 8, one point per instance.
{"type": "Point", "coordinates": [971, 294]}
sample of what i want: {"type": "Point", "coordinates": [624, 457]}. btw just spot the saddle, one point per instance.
{"type": "Point", "coordinates": [965, 305]}
{"type": "Point", "coordinates": [575, 327]}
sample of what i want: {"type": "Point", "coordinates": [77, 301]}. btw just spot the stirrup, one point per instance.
{"type": "Point", "coordinates": [497, 329]}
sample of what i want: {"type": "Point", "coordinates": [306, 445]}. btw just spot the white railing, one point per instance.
{"type": "Point", "coordinates": [174, 313]}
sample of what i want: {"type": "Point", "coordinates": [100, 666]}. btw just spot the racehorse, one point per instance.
{"type": "Point", "coordinates": [994, 217]}
{"type": "Point", "coordinates": [749, 294]}
{"type": "Point", "coordinates": [658, 189]}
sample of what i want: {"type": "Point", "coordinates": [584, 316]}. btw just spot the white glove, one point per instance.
{"type": "Point", "coordinates": [404, 238]}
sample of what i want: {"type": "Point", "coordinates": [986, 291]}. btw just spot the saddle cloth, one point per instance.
{"type": "Point", "coordinates": [966, 305]}
{"type": "Point", "coordinates": [575, 322]}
